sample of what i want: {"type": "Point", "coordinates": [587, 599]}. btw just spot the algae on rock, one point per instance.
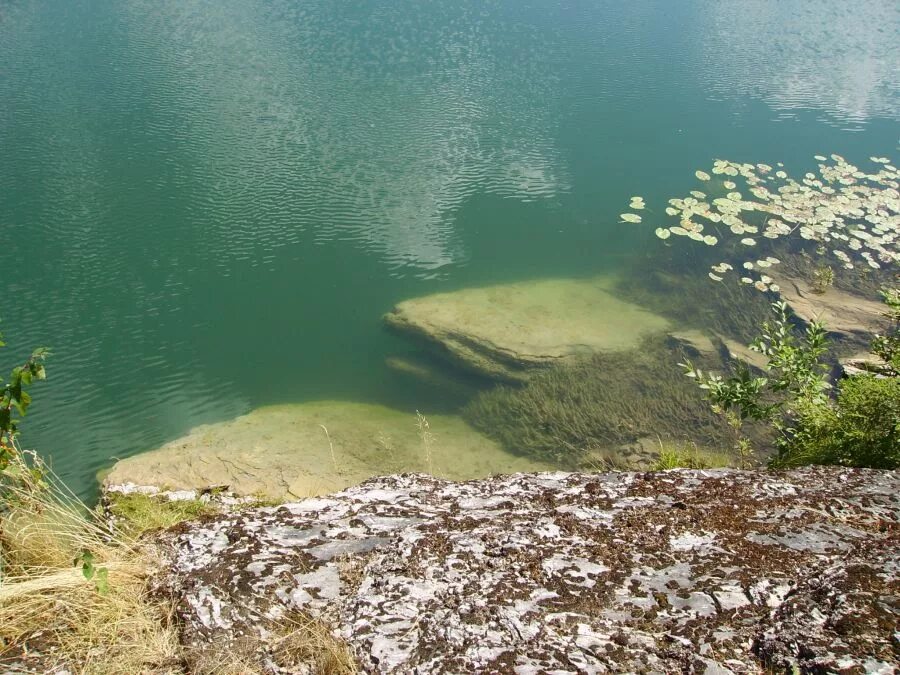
{"type": "Point", "coordinates": [298, 450]}
{"type": "Point", "coordinates": [507, 330]}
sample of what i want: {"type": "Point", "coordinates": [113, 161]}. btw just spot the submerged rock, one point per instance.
{"type": "Point", "coordinates": [504, 331]}
{"type": "Point", "coordinates": [300, 450]}
{"type": "Point", "coordinates": [424, 371]}
{"type": "Point", "coordinates": [843, 313]}
{"type": "Point", "coordinates": [865, 363]}
{"type": "Point", "coordinates": [681, 571]}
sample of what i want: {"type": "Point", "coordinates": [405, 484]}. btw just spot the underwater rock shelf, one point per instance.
{"type": "Point", "coordinates": [294, 451]}
{"type": "Point", "coordinates": [504, 331]}
{"type": "Point", "coordinates": [681, 571]}
{"type": "Point", "coordinates": [843, 313]}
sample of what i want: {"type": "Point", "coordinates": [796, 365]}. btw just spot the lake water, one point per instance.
{"type": "Point", "coordinates": [207, 205]}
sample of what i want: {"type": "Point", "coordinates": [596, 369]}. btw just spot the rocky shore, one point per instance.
{"type": "Point", "coordinates": [680, 571]}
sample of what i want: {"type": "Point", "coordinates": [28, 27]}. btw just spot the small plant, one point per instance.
{"type": "Point", "coordinates": [330, 447]}
{"type": "Point", "coordinates": [686, 457]}
{"type": "Point", "coordinates": [860, 427]}
{"type": "Point", "coordinates": [796, 379]}
{"type": "Point", "coordinates": [99, 575]}
{"type": "Point", "coordinates": [887, 346]}
{"type": "Point", "coordinates": [427, 439]}
{"type": "Point", "coordinates": [14, 402]}
{"type": "Point", "coordinates": [823, 279]}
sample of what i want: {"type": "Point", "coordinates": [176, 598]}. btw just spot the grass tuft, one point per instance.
{"type": "Point", "coordinates": [136, 514]}
{"type": "Point", "coordinates": [51, 615]}
{"type": "Point", "coordinates": [675, 456]}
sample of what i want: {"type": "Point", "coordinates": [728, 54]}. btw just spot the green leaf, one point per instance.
{"type": "Point", "coordinates": [101, 581]}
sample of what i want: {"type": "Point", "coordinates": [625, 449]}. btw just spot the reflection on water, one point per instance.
{"type": "Point", "coordinates": [842, 58]}
{"type": "Point", "coordinates": [207, 206]}
{"type": "Point", "coordinates": [365, 123]}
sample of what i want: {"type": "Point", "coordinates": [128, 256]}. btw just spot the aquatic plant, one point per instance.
{"type": "Point", "coordinates": [823, 279]}
{"type": "Point", "coordinates": [568, 413]}
{"type": "Point", "coordinates": [860, 427]}
{"type": "Point", "coordinates": [842, 213]}
{"type": "Point", "coordinates": [665, 284]}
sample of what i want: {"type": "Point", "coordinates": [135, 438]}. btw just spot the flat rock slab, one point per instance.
{"type": "Point", "coordinates": [681, 571]}
{"type": "Point", "coordinates": [284, 452]}
{"type": "Point", "coordinates": [504, 331]}
{"type": "Point", "coordinates": [842, 312]}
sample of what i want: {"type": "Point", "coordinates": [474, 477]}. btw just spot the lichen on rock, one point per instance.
{"type": "Point", "coordinates": [680, 571]}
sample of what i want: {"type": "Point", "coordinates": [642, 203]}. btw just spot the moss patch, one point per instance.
{"type": "Point", "coordinates": [137, 513]}
{"type": "Point", "coordinates": [674, 456]}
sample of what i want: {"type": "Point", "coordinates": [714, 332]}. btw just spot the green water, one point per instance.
{"type": "Point", "coordinates": [207, 205]}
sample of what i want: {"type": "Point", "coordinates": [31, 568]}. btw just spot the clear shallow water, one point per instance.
{"type": "Point", "coordinates": [206, 206]}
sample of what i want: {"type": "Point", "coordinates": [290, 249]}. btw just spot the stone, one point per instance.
{"type": "Point", "coordinates": [865, 364]}
{"type": "Point", "coordinates": [284, 452]}
{"type": "Point", "coordinates": [695, 343]}
{"type": "Point", "coordinates": [677, 571]}
{"type": "Point", "coordinates": [738, 350]}
{"type": "Point", "coordinates": [424, 371]}
{"type": "Point", "coordinates": [713, 347]}
{"type": "Point", "coordinates": [506, 331]}
{"type": "Point", "coordinates": [844, 314]}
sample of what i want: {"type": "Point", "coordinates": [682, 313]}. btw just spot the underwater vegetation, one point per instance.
{"type": "Point", "coordinates": [565, 413]}
{"type": "Point", "coordinates": [668, 285]}
{"type": "Point", "coordinates": [842, 213]}
{"type": "Point", "coordinates": [760, 228]}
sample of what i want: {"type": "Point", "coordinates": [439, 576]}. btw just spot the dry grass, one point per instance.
{"type": "Point", "coordinates": [304, 640]}
{"type": "Point", "coordinates": [50, 614]}
{"type": "Point", "coordinates": [53, 617]}
{"type": "Point", "coordinates": [297, 641]}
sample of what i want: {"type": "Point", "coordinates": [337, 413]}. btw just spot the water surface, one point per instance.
{"type": "Point", "coordinates": [207, 205]}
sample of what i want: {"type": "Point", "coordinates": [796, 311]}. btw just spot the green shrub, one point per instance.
{"type": "Point", "coordinates": [14, 402]}
{"type": "Point", "coordinates": [887, 345]}
{"type": "Point", "coordinates": [605, 401]}
{"type": "Point", "coordinates": [862, 428]}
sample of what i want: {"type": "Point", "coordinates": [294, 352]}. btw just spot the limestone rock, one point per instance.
{"type": "Point", "coordinates": [679, 571]}
{"type": "Point", "coordinates": [843, 313]}
{"type": "Point", "coordinates": [741, 351]}
{"type": "Point", "coordinates": [283, 452]}
{"type": "Point", "coordinates": [424, 371]}
{"type": "Point", "coordinates": [865, 364]}
{"type": "Point", "coordinates": [695, 343]}
{"type": "Point", "coordinates": [504, 331]}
